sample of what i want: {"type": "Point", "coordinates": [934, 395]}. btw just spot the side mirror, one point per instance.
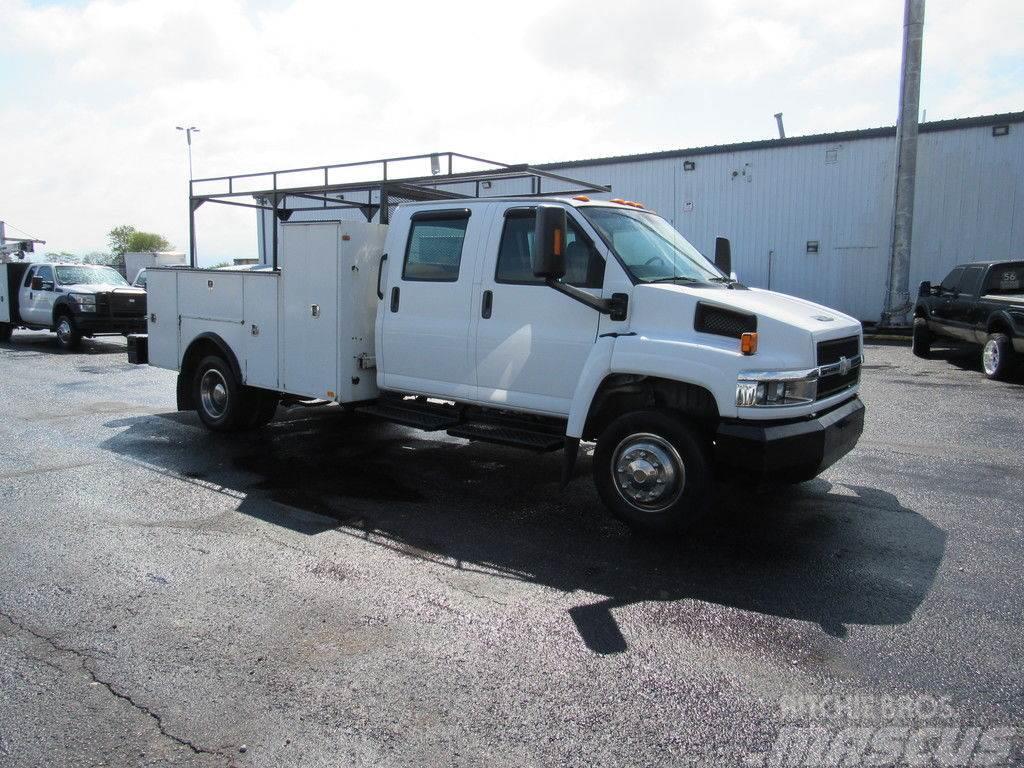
{"type": "Point", "coordinates": [37, 283]}
{"type": "Point", "coordinates": [723, 255]}
{"type": "Point", "coordinates": [925, 288]}
{"type": "Point", "coordinates": [549, 242]}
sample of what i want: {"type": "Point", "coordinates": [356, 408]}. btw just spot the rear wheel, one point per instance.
{"type": "Point", "coordinates": [922, 346]}
{"type": "Point", "coordinates": [997, 356]}
{"type": "Point", "coordinates": [68, 335]}
{"type": "Point", "coordinates": [221, 401]}
{"type": "Point", "coordinates": [652, 471]}
{"type": "Point", "coordinates": [6, 329]}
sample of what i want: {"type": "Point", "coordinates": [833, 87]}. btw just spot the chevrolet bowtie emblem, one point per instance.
{"type": "Point", "coordinates": [844, 366]}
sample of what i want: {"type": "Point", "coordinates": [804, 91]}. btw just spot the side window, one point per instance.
{"type": "Point", "coordinates": [1005, 278]}
{"type": "Point", "coordinates": [952, 280]}
{"type": "Point", "coordinates": [434, 250]}
{"type": "Point", "coordinates": [46, 273]}
{"type": "Point", "coordinates": [971, 281]}
{"type": "Point", "coordinates": [29, 274]}
{"type": "Point", "coordinates": [584, 267]}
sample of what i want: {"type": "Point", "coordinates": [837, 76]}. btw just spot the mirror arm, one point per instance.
{"type": "Point", "coordinates": [615, 307]}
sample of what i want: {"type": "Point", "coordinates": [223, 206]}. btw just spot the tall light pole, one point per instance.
{"type": "Point", "coordinates": [188, 139]}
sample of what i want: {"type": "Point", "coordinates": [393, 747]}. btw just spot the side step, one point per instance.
{"type": "Point", "coordinates": [505, 435]}
{"type": "Point", "coordinates": [425, 417]}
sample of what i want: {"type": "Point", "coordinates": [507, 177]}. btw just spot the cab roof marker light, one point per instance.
{"type": "Point", "coordinates": [582, 198]}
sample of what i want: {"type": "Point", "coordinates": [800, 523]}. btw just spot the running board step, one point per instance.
{"type": "Point", "coordinates": [505, 435]}
{"type": "Point", "coordinates": [419, 416]}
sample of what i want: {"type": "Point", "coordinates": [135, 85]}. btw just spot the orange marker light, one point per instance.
{"type": "Point", "coordinates": [748, 343]}
{"type": "Point", "coordinates": [556, 246]}
{"type": "Point", "coordinates": [618, 200]}
{"type": "Point", "coordinates": [582, 198]}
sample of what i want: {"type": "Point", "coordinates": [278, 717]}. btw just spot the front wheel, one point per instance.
{"type": "Point", "coordinates": [997, 356]}
{"type": "Point", "coordinates": [922, 343]}
{"type": "Point", "coordinates": [68, 335]}
{"type": "Point", "coordinates": [652, 471]}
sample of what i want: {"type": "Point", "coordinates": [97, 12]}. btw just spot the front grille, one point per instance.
{"type": "Point", "coordinates": [126, 305]}
{"type": "Point", "coordinates": [723, 322]}
{"type": "Point", "coordinates": [830, 353]}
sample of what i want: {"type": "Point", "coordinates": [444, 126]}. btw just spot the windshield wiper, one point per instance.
{"type": "Point", "coordinates": [669, 279]}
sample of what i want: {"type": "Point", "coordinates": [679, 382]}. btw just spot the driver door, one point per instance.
{"type": "Point", "coordinates": [532, 341]}
{"type": "Point", "coordinates": [36, 305]}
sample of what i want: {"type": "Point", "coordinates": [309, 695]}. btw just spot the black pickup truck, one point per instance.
{"type": "Point", "coordinates": [980, 303]}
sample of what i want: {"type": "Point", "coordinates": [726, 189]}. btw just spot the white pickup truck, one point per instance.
{"type": "Point", "coordinates": [529, 321]}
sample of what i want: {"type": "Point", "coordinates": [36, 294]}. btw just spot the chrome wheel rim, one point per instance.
{"type": "Point", "coordinates": [648, 472]}
{"type": "Point", "coordinates": [990, 357]}
{"type": "Point", "coordinates": [213, 392]}
{"type": "Point", "coordinates": [64, 330]}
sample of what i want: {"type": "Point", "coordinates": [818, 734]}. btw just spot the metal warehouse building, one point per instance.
{"type": "Point", "coordinates": [812, 215]}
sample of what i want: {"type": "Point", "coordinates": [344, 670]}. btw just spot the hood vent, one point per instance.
{"type": "Point", "coordinates": [723, 322]}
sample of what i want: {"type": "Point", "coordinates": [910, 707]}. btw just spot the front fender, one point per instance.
{"type": "Point", "coordinates": [704, 366]}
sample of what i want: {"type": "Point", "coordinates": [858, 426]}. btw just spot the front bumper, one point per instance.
{"type": "Point", "coordinates": [790, 450]}
{"type": "Point", "coordinates": [91, 324]}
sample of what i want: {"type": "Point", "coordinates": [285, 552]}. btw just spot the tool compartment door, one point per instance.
{"type": "Point", "coordinates": [309, 309]}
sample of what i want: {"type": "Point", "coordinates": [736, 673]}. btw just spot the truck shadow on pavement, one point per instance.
{"type": "Point", "coordinates": [833, 555]}
{"type": "Point", "coordinates": [46, 343]}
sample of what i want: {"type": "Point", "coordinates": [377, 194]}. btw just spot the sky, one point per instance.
{"type": "Point", "coordinates": [91, 90]}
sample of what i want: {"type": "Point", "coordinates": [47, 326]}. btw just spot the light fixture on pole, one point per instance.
{"type": "Point", "coordinates": [188, 139]}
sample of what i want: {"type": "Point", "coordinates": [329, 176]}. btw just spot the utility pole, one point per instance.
{"type": "Point", "coordinates": [897, 301]}
{"type": "Point", "coordinates": [188, 140]}
{"type": "Point", "coordinates": [191, 211]}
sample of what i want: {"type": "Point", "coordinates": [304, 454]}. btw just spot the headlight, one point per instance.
{"type": "Point", "coordinates": [776, 388]}
{"type": "Point", "coordinates": [86, 302]}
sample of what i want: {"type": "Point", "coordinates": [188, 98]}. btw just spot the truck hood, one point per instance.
{"type": "Point", "coordinates": [786, 309]}
{"type": "Point", "coordinates": [102, 288]}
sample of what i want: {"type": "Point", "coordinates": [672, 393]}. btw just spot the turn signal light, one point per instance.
{"type": "Point", "coordinates": [748, 343]}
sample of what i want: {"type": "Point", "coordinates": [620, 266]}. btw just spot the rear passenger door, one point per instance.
{"type": "Point", "coordinates": [962, 309]}
{"type": "Point", "coordinates": [426, 339]}
{"type": "Point", "coordinates": [532, 341]}
{"type": "Point", "coordinates": [943, 307]}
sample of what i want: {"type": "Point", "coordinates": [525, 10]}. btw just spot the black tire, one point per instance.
{"type": "Point", "coordinates": [68, 335]}
{"type": "Point", "coordinates": [997, 357]}
{"type": "Point", "coordinates": [657, 440]}
{"type": "Point", "coordinates": [922, 345]}
{"type": "Point", "coordinates": [222, 402]}
{"type": "Point", "coordinates": [6, 329]}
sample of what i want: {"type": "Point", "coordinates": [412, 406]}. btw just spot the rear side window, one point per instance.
{"type": "Point", "coordinates": [434, 251]}
{"type": "Point", "coordinates": [1005, 278]}
{"type": "Point", "coordinates": [584, 267]}
{"type": "Point", "coordinates": [971, 281]}
{"type": "Point", "coordinates": [952, 280]}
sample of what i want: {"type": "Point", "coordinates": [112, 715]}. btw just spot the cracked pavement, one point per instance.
{"type": "Point", "coordinates": [331, 591]}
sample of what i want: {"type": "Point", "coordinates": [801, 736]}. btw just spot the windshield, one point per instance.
{"type": "Point", "coordinates": [76, 275]}
{"type": "Point", "coordinates": [648, 246]}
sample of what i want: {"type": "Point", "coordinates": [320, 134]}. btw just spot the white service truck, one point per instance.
{"type": "Point", "coordinates": [529, 321]}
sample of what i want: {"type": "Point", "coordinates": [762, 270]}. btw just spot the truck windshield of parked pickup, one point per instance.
{"type": "Point", "coordinates": [650, 248]}
{"type": "Point", "coordinates": [75, 275]}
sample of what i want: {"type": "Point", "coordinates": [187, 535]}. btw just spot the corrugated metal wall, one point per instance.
{"type": "Point", "coordinates": [773, 201]}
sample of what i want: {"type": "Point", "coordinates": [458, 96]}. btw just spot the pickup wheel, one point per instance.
{"type": "Point", "coordinates": [68, 335]}
{"type": "Point", "coordinates": [652, 471]}
{"type": "Point", "coordinates": [6, 329]}
{"type": "Point", "coordinates": [922, 344]}
{"type": "Point", "coordinates": [222, 402]}
{"type": "Point", "coordinates": [997, 358]}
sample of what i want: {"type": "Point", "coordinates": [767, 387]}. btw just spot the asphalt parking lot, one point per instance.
{"type": "Point", "coordinates": [333, 591]}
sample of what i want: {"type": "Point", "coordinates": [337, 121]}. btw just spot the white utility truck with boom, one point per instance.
{"type": "Point", "coordinates": [523, 318]}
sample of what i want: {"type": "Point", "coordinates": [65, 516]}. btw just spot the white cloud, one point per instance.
{"type": "Point", "coordinates": [99, 86]}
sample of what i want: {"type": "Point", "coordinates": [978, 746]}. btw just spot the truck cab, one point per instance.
{"type": "Point", "coordinates": [75, 301]}
{"type": "Point", "coordinates": [536, 322]}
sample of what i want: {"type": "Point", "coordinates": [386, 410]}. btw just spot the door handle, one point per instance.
{"type": "Point", "coordinates": [380, 270]}
{"type": "Point", "coordinates": [394, 299]}
{"type": "Point", "coordinates": [486, 305]}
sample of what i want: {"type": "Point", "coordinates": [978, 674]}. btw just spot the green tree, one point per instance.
{"type": "Point", "coordinates": [127, 238]}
